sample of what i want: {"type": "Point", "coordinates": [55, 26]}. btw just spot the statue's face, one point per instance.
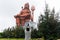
{"type": "Point", "coordinates": [26, 5]}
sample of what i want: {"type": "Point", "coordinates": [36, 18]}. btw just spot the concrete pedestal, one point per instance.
{"type": "Point", "coordinates": [27, 35]}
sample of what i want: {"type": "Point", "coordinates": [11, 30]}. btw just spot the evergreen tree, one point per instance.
{"type": "Point", "coordinates": [16, 32]}
{"type": "Point", "coordinates": [48, 24]}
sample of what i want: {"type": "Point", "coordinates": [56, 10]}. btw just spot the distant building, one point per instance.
{"type": "Point", "coordinates": [24, 15]}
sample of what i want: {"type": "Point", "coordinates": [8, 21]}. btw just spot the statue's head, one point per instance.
{"type": "Point", "coordinates": [26, 6]}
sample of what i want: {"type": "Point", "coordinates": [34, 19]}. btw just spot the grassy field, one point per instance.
{"type": "Point", "coordinates": [11, 39]}
{"type": "Point", "coordinates": [16, 39]}
{"type": "Point", "coordinates": [20, 39]}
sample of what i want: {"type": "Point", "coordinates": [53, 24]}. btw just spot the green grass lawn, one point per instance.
{"type": "Point", "coordinates": [11, 39]}
{"type": "Point", "coordinates": [20, 39]}
{"type": "Point", "coordinates": [17, 39]}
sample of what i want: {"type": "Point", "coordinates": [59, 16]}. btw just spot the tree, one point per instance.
{"type": "Point", "coordinates": [16, 32]}
{"type": "Point", "coordinates": [48, 24]}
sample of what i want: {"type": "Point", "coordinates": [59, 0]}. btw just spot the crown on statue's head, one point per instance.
{"type": "Point", "coordinates": [26, 5]}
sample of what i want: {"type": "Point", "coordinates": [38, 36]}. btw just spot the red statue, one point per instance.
{"type": "Point", "coordinates": [25, 15]}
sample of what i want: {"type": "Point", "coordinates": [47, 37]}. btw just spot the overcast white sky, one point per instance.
{"type": "Point", "coordinates": [9, 8]}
